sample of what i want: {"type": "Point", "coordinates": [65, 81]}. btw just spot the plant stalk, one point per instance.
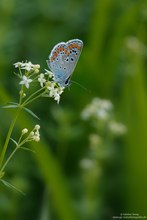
{"type": "Point", "coordinates": [2, 156]}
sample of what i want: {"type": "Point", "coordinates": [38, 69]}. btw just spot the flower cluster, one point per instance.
{"type": "Point", "coordinates": [34, 135]}
{"type": "Point", "coordinates": [54, 91]}
{"type": "Point", "coordinates": [28, 66]}
{"type": "Point", "coordinates": [101, 111]}
{"type": "Point", "coordinates": [117, 128]}
{"type": "Point", "coordinates": [87, 163]}
{"type": "Point", "coordinates": [99, 114]}
{"type": "Point", "coordinates": [98, 108]}
{"type": "Point", "coordinates": [135, 45]}
{"type": "Point", "coordinates": [49, 87]}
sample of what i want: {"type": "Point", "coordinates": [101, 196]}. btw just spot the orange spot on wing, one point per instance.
{"type": "Point", "coordinates": [74, 46]}
{"type": "Point", "coordinates": [55, 54]}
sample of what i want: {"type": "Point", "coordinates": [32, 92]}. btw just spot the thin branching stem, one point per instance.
{"type": "Point", "coordinates": [2, 156]}
{"type": "Point", "coordinates": [29, 98]}
{"type": "Point", "coordinates": [9, 158]}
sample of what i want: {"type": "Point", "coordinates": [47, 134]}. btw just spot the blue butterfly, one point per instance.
{"type": "Point", "coordinates": [63, 59]}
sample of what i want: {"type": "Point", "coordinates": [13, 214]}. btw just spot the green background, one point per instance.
{"type": "Point", "coordinates": [113, 66]}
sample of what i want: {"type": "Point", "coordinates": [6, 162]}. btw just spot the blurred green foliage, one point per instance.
{"type": "Point", "coordinates": [112, 66]}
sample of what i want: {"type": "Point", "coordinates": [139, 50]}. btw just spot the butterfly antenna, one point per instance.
{"type": "Point", "coordinates": [80, 85]}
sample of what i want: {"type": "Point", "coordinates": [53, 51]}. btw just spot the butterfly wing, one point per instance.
{"type": "Point", "coordinates": [74, 47]}
{"type": "Point", "coordinates": [63, 59]}
{"type": "Point", "coordinates": [57, 62]}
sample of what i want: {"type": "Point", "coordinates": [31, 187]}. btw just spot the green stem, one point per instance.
{"type": "Point", "coordinates": [8, 136]}
{"type": "Point", "coordinates": [9, 158]}
{"type": "Point", "coordinates": [20, 139]}
{"type": "Point", "coordinates": [2, 156]}
{"type": "Point", "coordinates": [28, 99]}
{"type": "Point", "coordinates": [23, 142]}
{"type": "Point", "coordinates": [20, 95]}
{"type": "Point", "coordinates": [13, 152]}
{"type": "Point", "coordinates": [31, 100]}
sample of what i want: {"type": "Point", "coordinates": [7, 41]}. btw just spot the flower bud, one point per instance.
{"type": "Point", "coordinates": [36, 138]}
{"type": "Point", "coordinates": [24, 131]}
{"type": "Point", "coordinates": [37, 127]}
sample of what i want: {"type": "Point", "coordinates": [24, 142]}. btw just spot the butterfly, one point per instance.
{"type": "Point", "coordinates": [63, 59]}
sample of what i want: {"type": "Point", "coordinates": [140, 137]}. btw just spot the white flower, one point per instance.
{"type": "Point", "coordinates": [27, 66]}
{"type": "Point", "coordinates": [49, 73]}
{"type": "Point", "coordinates": [50, 86]}
{"type": "Point", "coordinates": [117, 128]}
{"type": "Point", "coordinates": [60, 90]}
{"type": "Point", "coordinates": [86, 163]}
{"type": "Point", "coordinates": [57, 95]}
{"type": "Point", "coordinates": [18, 64]}
{"type": "Point", "coordinates": [102, 104]}
{"type": "Point", "coordinates": [57, 98]}
{"type": "Point", "coordinates": [41, 79]}
{"type": "Point", "coordinates": [25, 81]}
{"type": "Point", "coordinates": [102, 114]}
{"type": "Point", "coordinates": [53, 92]}
{"type": "Point", "coordinates": [98, 108]}
{"type": "Point", "coordinates": [36, 68]}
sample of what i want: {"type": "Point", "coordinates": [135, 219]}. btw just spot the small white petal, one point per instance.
{"type": "Point", "coordinates": [18, 64]}
{"type": "Point", "coordinates": [49, 73]}
{"type": "Point", "coordinates": [41, 79]}
{"type": "Point", "coordinates": [25, 81]}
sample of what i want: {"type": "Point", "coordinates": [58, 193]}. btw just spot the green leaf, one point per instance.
{"type": "Point", "coordinates": [12, 105]}
{"type": "Point", "coordinates": [27, 149]}
{"type": "Point", "coordinates": [2, 173]}
{"type": "Point", "coordinates": [12, 187]}
{"type": "Point", "coordinates": [31, 113]}
{"type": "Point", "coordinates": [14, 141]}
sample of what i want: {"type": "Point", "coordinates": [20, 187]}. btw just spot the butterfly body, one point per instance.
{"type": "Point", "coordinates": [63, 59]}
